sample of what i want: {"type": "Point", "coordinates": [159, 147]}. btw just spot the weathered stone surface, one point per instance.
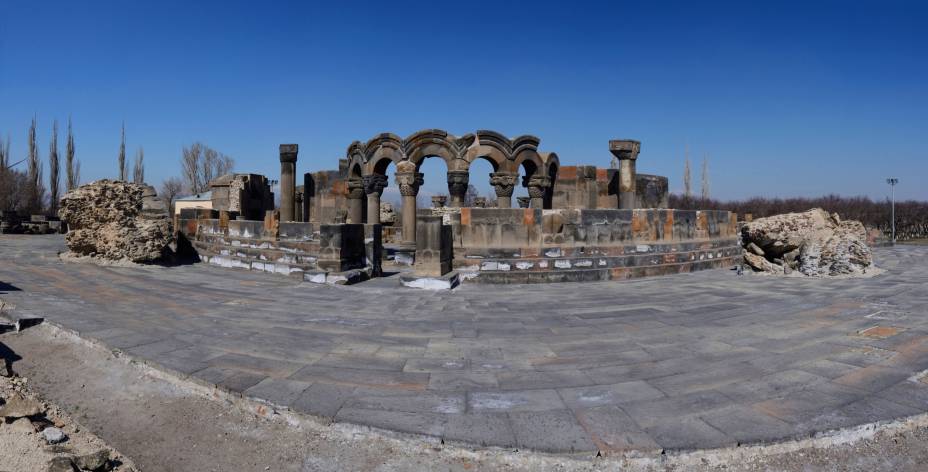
{"type": "Point", "coordinates": [387, 213]}
{"type": "Point", "coordinates": [813, 243]}
{"type": "Point", "coordinates": [117, 220]}
{"type": "Point", "coordinates": [18, 406]}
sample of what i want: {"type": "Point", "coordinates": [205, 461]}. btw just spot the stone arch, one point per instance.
{"type": "Point", "coordinates": [491, 146]}
{"type": "Point", "coordinates": [429, 143]}
{"type": "Point", "coordinates": [525, 148]}
{"type": "Point", "coordinates": [381, 150]}
{"type": "Point", "coordinates": [552, 164]}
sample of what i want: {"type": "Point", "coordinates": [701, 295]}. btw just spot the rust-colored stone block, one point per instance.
{"type": "Point", "coordinates": [530, 251]}
{"type": "Point", "coordinates": [465, 216]}
{"type": "Point", "coordinates": [602, 175]}
{"type": "Point", "coordinates": [668, 226]}
{"type": "Point", "coordinates": [223, 220]}
{"type": "Point", "coordinates": [567, 172]}
{"type": "Point", "coordinates": [528, 217]}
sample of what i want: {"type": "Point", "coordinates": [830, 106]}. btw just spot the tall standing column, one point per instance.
{"type": "Point", "coordinates": [355, 201]}
{"type": "Point", "coordinates": [627, 152]}
{"type": "Point", "coordinates": [373, 186]}
{"type": "Point", "coordinates": [457, 186]}
{"type": "Point", "coordinates": [288, 181]}
{"type": "Point", "coordinates": [504, 183]}
{"type": "Point", "coordinates": [537, 186]}
{"type": "Point", "coordinates": [408, 181]}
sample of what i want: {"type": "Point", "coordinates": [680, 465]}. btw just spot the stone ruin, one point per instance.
{"type": "Point", "coordinates": [813, 243]}
{"type": "Point", "coordinates": [118, 221]}
{"type": "Point", "coordinates": [578, 223]}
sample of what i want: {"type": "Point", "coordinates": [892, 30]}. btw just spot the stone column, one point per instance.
{"type": "Point", "coordinates": [537, 186]}
{"type": "Point", "coordinates": [408, 181]}
{"type": "Point", "coordinates": [373, 186]}
{"type": "Point", "coordinates": [309, 192]}
{"type": "Point", "coordinates": [627, 152]}
{"type": "Point", "coordinates": [457, 186]}
{"type": "Point", "coordinates": [288, 154]}
{"type": "Point", "coordinates": [504, 183]}
{"type": "Point", "coordinates": [298, 207]}
{"type": "Point", "coordinates": [355, 201]}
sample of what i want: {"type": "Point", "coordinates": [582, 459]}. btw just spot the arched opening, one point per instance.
{"type": "Point", "coordinates": [528, 169]}
{"type": "Point", "coordinates": [549, 194]}
{"type": "Point", "coordinates": [479, 190]}
{"type": "Point", "coordinates": [434, 181]}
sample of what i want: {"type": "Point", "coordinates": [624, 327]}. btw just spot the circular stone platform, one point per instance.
{"type": "Point", "coordinates": [688, 361]}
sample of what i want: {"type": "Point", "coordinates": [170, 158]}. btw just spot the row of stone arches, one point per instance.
{"type": "Point", "coordinates": [368, 163]}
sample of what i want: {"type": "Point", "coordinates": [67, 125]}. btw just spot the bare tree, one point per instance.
{"type": "Point", "coordinates": [170, 189]}
{"type": "Point", "coordinates": [35, 191]}
{"type": "Point", "coordinates": [73, 180]}
{"type": "Point", "coordinates": [705, 177]}
{"type": "Point", "coordinates": [687, 176]}
{"type": "Point", "coordinates": [123, 173]}
{"type": "Point", "coordinates": [190, 167]}
{"type": "Point", "coordinates": [201, 164]}
{"type": "Point", "coordinates": [53, 169]}
{"type": "Point", "coordinates": [138, 173]}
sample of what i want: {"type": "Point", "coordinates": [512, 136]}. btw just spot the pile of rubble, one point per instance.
{"type": "Point", "coordinates": [118, 221]}
{"type": "Point", "coordinates": [813, 243]}
{"type": "Point", "coordinates": [37, 436]}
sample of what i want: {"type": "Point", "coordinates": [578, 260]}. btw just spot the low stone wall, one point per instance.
{"type": "Point", "coordinates": [532, 245]}
{"type": "Point", "coordinates": [308, 251]}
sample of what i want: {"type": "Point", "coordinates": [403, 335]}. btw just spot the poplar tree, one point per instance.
{"type": "Point", "coordinates": [53, 168]}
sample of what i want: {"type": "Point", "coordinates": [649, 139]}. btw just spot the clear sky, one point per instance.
{"type": "Point", "coordinates": [785, 99]}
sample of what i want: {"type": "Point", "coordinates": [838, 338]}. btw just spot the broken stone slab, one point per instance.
{"type": "Point", "coordinates": [443, 282]}
{"type": "Point", "coordinates": [18, 406]}
{"type": "Point", "coordinates": [754, 248]}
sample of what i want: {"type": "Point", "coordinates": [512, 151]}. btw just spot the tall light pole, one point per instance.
{"type": "Point", "coordinates": [892, 181]}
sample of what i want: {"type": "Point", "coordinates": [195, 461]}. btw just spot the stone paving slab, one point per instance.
{"type": "Point", "coordinates": [697, 360]}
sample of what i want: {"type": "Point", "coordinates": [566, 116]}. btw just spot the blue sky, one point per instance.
{"type": "Point", "coordinates": [786, 99]}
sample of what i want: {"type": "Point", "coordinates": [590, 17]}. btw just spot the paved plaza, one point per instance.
{"type": "Point", "coordinates": [697, 360]}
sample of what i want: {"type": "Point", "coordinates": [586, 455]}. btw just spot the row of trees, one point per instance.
{"type": "Point", "coordinates": [687, 178]}
{"type": "Point", "coordinates": [873, 214]}
{"type": "Point", "coordinates": [25, 191]}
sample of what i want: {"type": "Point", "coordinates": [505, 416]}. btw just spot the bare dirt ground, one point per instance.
{"type": "Point", "coordinates": [168, 424]}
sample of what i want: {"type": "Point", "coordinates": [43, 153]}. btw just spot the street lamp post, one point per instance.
{"type": "Point", "coordinates": [892, 181]}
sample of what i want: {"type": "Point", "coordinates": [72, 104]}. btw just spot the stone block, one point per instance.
{"type": "Point", "coordinates": [292, 231]}
{"type": "Point", "coordinates": [341, 247]}
{"type": "Point", "coordinates": [433, 247]}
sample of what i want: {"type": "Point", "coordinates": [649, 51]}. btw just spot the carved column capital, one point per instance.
{"type": "Point", "coordinates": [439, 201]}
{"type": "Point", "coordinates": [504, 183]}
{"type": "Point", "coordinates": [374, 183]}
{"type": "Point", "coordinates": [625, 149]}
{"type": "Point", "coordinates": [537, 185]}
{"type": "Point", "coordinates": [409, 183]}
{"type": "Point", "coordinates": [457, 182]}
{"type": "Point", "coordinates": [355, 188]}
{"type": "Point", "coordinates": [523, 201]}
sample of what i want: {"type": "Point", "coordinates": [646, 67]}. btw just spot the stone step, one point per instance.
{"type": "Point", "coordinates": [594, 274]}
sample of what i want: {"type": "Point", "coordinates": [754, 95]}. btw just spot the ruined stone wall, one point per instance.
{"type": "Point", "coordinates": [329, 202]}
{"type": "Point", "coordinates": [589, 187]}
{"type": "Point", "coordinates": [313, 252]}
{"type": "Point", "coordinates": [533, 245]}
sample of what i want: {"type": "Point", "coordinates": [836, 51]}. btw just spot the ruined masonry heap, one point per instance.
{"type": "Point", "coordinates": [813, 243]}
{"type": "Point", "coordinates": [117, 221]}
